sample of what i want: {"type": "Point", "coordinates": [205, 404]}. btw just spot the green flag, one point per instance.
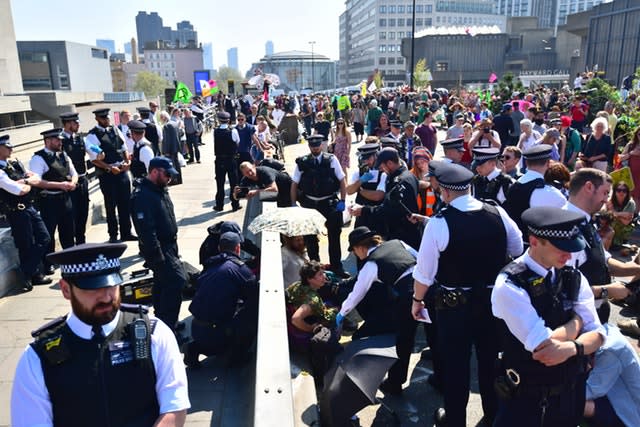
{"type": "Point", "coordinates": [183, 94]}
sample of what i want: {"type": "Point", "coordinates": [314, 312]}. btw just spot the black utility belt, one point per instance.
{"type": "Point", "coordinates": [508, 385]}
{"type": "Point", "coordinates": [14, 208]}
{"type": "Point", "coordinates": [454, 297]}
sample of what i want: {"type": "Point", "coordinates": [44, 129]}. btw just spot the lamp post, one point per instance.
{"type": "Point", "coordinates": [413, 42]}
{"type": "Point", "coordinates": [313, 75]}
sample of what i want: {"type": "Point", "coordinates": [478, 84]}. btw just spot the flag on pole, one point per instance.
{"type": "Point", "coordinates": [208, 88]}
{"type": "Point", "coordinates": [372, 87]}
{"type": "Point", "coordinates": [492, 77]}
{"type": "Point", "coordinates": [183, 94]}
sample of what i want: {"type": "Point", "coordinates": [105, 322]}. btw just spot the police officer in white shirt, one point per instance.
{"type": "Point", "coordinates": [369, 183]}
{"type": "Point", "coordinates": [549, 324]}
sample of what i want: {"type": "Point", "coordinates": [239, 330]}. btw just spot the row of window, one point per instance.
{"type": "Point", "coordinates": [160, 56]}
{"type": "Point", "coordinates": [428, 22]}
{"type": "Point", "coordinates": [420, 8]}
{"type": "Point", "coordinates": [388, 48]}
{"type": "Point", "coordinates": [393, 35]}
{"type": "Point", "coordinates": [171, 65]}
{"type": "Point", "coordinates": [166, 74]}
{"type": "Point", "coordinates": [391, 61]}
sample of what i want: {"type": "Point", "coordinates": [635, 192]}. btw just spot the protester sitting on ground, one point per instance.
{"type": "Point", "coordinates": [623, 209]}
{"type": "Point", "coordinates": [597, 149]}
{"type": "Point", "coordinates": [294, 255]}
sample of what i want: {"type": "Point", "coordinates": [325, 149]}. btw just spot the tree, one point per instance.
{"type": "Point", "coordinates": [598, 93]}
{"type": "Point", "coordinates": [224, 75]}
{"type": "Point", "coordinates": [150, 83]}
{"type": "Point", "coordinates": [507, 85]}
{"type": "Point", "coordinates": [421, 75]}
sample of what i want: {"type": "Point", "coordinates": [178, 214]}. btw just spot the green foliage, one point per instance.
{"type": "Point", "coordinates": [421, 75]}
{"type": "Point", "coordinates": [224, 75]}
{"type": "Point", "coordinates": [150, 83]}
{"type": "Point", "coordinates": [598, 93]}
{"type": "Point", "coordinates": [506, 86]}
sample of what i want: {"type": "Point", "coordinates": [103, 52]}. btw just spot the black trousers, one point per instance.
{"type": "Point", "coordinates": [80, 205]}
{"type": "Point", "coordinates": [116, 190]}
{"type": "Point", "coordinates": [334, 227]}
{"type": "Point", "coordinates": [192, 146]}
{"type": "Point", "coordinates": [459, 328]}
{"type": "Point", "coordinates": [169, 278]}
{"type": "Point", "coordinates": [225, 166]}
{"type": "Point", "coordinates": [57, 214]}
{"type": "Point", "coordinates": [31, 238]}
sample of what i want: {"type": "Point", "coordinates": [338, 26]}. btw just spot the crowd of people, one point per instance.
{"type": "Point", "coordinates": [515, 194]}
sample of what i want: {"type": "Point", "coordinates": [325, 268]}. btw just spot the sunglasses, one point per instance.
{"type": "Point", "coordinates": [508, 157]}
{"type": "Point", "coordinates": [340, 123]}
{"type": "Point", "coordinates": [240, 119]}
{"type": "Point", "coordinates": [621, 190]}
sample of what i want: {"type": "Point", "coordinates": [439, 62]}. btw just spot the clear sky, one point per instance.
{"type": "Point", "coordinates": [245, 24]}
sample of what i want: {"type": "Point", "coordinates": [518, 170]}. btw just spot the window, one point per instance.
{"type": "Point", "coordinates": [392, 35]}
{"type": "Point", "coordinates": [382, 9]}
{"type": "Point", "coordinates": [382, 61]}
{"type": "Point", "coordinates": [419, 8]}
{"type": "Point", "coordinates": [382, 35]}
{"type": "Point", "coordinates": [392, 9]}
{"type": "Point", "coordinates": [392, 22]}
{"type": "Point", "coordinates": [400, 35]}
{"type": "Point", "coordinates": [409, 8]}
{"type": "Point", "coordinates": [383, 22]}
{"type": "Point", "coordinates": [442, 66]}
{"type": "Point", "coordinates": [392, 48]}
{"type": "Point", "coordinates": [391, 61]}
{"type": "Point", "coordinates": [409, 22]}
{"type": "Point", "coordinates": [428, 8]}
{"type": "Point", "coordinates": [400, 61]}
{"type": "Point", "coordinates": [400, 8]}
{"type": "Point", "coordinates": [98, 53]}
{"type": "Point", "coordinates": [382, 48]}
{"type": "Point", "coordinates": [438, 19]}
{"type": "Point", "coordinates": [419, 22]}
{"type": "Point", "coordinates": [428, 22]}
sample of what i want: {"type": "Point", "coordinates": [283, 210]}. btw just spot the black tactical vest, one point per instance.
{"type": "Point", "coordinates": [151, 135]}
{"type": "Point", "coordinates": [59, 170]}
{"type": "Point", "coordinates": [223, 143]}
{"type": "Point", "coordinates": [485, 190]}
{"type": "Point", "coordinates": [477, 248]}
{"type": "Point", "coordinates": [138, 168]}
{"type": "Point", "coordinates": [97, 384]}
{"type": "Point", "coordinates": [317, 180]}
{"type": "Point", "coordinates": [553, 302]}
{"type": "Point", "coordinates": [10, 202]}
{"type": "Point", "coordinates": [392, 259]}
{"type": "Point", "coordinates": [595, 269]}
{"type": "Point", "coordinates": [372, 186]}
{"type": "Point", "coordinates": [110, 143]}
{"type": "Point", "coordinates": [518, 199]}
{"type": "Point", "coordinates": [74, 147]}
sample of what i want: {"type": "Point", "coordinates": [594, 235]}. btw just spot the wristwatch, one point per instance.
{"type": "Point", "coordinates": [413, 297]}
{"type": "Point", "coordinates": [604, 292]}
{"type": "Point", "coordinates": [579, 348]}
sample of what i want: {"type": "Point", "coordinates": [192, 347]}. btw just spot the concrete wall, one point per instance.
{"type": "Point", "coordinates": [10, 80]}
{"type": "Point", "coordinates": [87, 73]}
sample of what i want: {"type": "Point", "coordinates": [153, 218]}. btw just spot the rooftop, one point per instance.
{"type": "Point", "coordinates": [295, 55]}
{"type": "Point", "coordinates": [459, 31]}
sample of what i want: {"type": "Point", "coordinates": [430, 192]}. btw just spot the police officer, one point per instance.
{"type": "Point", "coordinates": [142, 151]}
{"type": "Point", "coordinates": [319, 177]}
{"type": "Point", "coordinates": [155, 222]}
{"type": "Point", "coordinates": [489, 184]}
{"type": "Point", "coordinates": [400, 200]}
{"type": "Point", "coordinates": [103, 364]}
{"type": "Point", "coordinates": [369, 184]}
{"type": "Point", "coordinates": [548, 324]}
{"type": "Point", "coordinates": [29, 232]}
{"type": "Point", "coordinates": [111, 171]}
{"type": "Point", "coordinates": [382, 294]}
{"type": "Point", "coordinates": [462, 251]}
{"type": "Point", "coordinates": [59, 179]}
{"type": "Point", "coordinates": [453, 150]}
{"type": "Point", "coordinates": [75, 148]}
{"type": "Point", "coordinates": [530, 190]}
{"type": "Point", "coordinates": [225, 145]}
{"type": "Point", "coordinates": [153, 132]}
{"type": "Point", "coordinates": [225, 307]}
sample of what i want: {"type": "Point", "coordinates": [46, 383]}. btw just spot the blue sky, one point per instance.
{"type": "Point", "coordinates": [246, 24]}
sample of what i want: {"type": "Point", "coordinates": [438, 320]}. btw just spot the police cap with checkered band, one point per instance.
{"type": "Point", "coordinates": [558, 226]}
{"type": "Point", "coordinates": [90, 265]}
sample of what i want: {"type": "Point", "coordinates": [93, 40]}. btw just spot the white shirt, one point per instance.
{"type": "Point", "coordinates": [277, 115]}
{"type": "Point", "coordinates": [501, 197]}
{"type": "Point", "coordinates": [513, 305]}
{"type": "Point", "coordinates": [146, 153]}
{"type": "Point", "coordinates": [436, 238]}
{"type": "Point", "coordinates": [91, 139]}
{"type": "Point", "coordinates": [30, 403]}
{"type": "Point", "coordinates": [235, 136]}
{"type": "Point", "coordinates": [291, 264]}
{"type": "Point", "coordinates": [367, 276]}
{"type": "Point", "coordinates": [382, 185]}
{"type": "Point", "coordinates": [547, 196]}
{"type": "Point", "coordinates": [38, 166]}
{"type": "Point", "coordinates": [7, 184]}
{"type": "Point", "coordinates": [335, 165]}
{"type": "Point", "coordinates": [484, 142]}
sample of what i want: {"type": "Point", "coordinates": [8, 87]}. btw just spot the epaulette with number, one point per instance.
{"type": "Point", "coordinates": [134, 308]}
{"type": "Point", "coordinates": [47, 326]}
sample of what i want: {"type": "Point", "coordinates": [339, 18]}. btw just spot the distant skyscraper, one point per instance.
{"type": "Point", "coordinates": [186, 34]}
{"type": "Point", "coordinates": [268, 48]}
{"type": "Point", "coordinates": [134, 51]}
{"type": "Point", "coordinates": [149, 28]}
{"type": "Point", "coordinates": [127, 48]}
{"type": "Point", "coordinates": [548, 11]}
{"type": "Point", "coordinates": [207, 55]}
{"type": "Point", "coordinates": [110, 45]}
{"type": "Point", "coordinates": [232, 58]}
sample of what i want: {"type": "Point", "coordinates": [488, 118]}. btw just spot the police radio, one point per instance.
{"type": "Point", "coordinates": [139, 336]}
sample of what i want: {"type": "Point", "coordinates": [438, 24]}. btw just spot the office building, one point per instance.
{"type": "Point", "coordinates": [110, 45]}
{"type": "Point", "coordinates": [174, 64]}
{"type": "Point", "coordinates": [232, 58]}
{"type": "Point", "coordinates": [127, 48]}
{"type": "Point", "coordinates": [185, 34]}
{"type": "Point", "coordinates": [549, 12]}
{"type": "Point", "coordinates": [299, 70]}
{"type": "Point", "coordinates": [371, 32]}
{"type": "Point", "coordinates": [268, 48]}
{"type": "Point", "coordinates": [150, 28]}
{"type": "Point", "coordinates": [207, 55]}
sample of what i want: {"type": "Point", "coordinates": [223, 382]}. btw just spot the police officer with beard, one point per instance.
{"type": "Point", "coordinates": [76, 149]}
{"type": "Point", "coordinates": [155, 222]}
{"type": "Point", "coordinates": [59, 179]}
{"type": "Point", "coordinates": [400, 200]}
{"type": "Point", "coordinates": [369, 184]}
{"type": "Point", "coordinates": [548, 325]}
{"type": "Point", "coordinates": [463, 249]}
{"type": "Point", "coordinates": [225, 145]}
{"type": "Point", "coordinates": [319, 177]}
{"type": "Point", "coordinates": [103, 364]}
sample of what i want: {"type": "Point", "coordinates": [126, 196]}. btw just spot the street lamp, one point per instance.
{"type": "Point", "coordinates": [313, 76]}
{"type": "Point", "coordinates": [413, 42]}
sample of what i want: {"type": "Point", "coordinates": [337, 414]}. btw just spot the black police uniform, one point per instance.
{"type": "Point", "coordinates": [74, 146]}
{"type": "Point", "coordinates": [370, 185]}
{"type": "Point", "coordinates": [487, 190]}
{"type": "Point", "coordinates": [30, 235]}
{"type": "Point", "coordinates": [138, 168]}
{"type": "Point", "coordinates": [116, 189]}
{"type": "Point", "coordinates": [226, 151]}
{"type": "Point", "coordinates": [55, 205]}
{"type": "Point", "coordinates": [155, 222]}
{"type": "Point", "coordinates": [225, 307]}
{"type": "Point", "coordinates": [266, 176]}
{"type": "Point", "coordinates": [518, 199]}
{"type": "Point", "coordinates": [319, 186]}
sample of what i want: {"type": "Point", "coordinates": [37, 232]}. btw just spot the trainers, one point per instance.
{"type": "Point", "coordinates": [629, 326]}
